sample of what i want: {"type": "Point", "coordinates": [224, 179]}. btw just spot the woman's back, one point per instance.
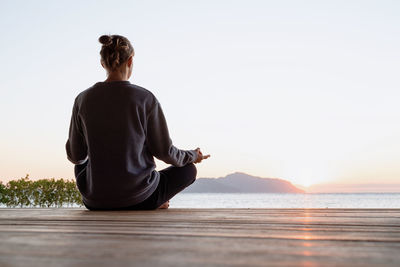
{"type": "Point", "coordinates": [113, 118]}
{"type": "Point", "coordinates": [116, 129]}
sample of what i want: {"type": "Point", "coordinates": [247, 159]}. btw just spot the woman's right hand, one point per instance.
{"type": "Point", "coordinates": [200, 156]}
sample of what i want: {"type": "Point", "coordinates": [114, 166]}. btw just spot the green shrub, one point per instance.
{"type": "Point", "coordinates": [40, 193]}
{"type": "Point", "coordinates": [3, 196]}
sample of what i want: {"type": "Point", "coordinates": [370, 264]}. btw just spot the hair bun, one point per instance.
{"type": "Point", "coordinates": [105, 40]}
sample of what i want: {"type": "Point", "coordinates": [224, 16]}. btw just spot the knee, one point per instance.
{"type": "Point", "coordinates": [191, 172]}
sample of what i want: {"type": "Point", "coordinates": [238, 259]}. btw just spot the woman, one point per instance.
{"type": "Point", "coordinates": [116, 129]}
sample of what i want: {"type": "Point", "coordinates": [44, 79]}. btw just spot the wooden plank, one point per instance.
{"type": "Point", "coordinates": [199, 237]}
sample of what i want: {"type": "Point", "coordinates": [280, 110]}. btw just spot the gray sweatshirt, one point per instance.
{"type": "Point", "coordinates": [116, 129]}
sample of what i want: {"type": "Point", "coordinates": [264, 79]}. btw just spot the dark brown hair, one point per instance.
{"type": "Point", "coordinates": [115, 50]}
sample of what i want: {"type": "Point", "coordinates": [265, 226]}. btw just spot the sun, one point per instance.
{"type": "Point", "coordinates": [307, 174]}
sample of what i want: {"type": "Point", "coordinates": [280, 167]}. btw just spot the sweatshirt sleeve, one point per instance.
{"type": "Point", "coordinates": [159, 141]}
{"type": "Point", "coordinates": [76, 144]}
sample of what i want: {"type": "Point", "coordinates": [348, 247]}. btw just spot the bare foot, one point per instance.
{"type": "Point", "coordinates": [165, 205]}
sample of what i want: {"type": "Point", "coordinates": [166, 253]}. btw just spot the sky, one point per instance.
{"type": "Point", "coordinates": [307, 91]}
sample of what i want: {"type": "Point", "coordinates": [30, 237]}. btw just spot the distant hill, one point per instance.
{"type": "Point", "coordinates": [241, 183]}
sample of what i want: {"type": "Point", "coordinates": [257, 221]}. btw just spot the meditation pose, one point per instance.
{"type": "Point", "coordinates": [116, 130]}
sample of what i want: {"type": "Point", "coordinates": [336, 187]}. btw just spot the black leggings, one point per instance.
{"type": "Point", "coordinates": [172, 181]}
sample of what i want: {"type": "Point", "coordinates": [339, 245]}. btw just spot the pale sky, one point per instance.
{"type": "Point", "coordinates": [307, 91]}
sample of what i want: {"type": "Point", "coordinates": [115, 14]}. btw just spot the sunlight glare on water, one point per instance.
{"type": "Point", "coordinates": [344, 200]}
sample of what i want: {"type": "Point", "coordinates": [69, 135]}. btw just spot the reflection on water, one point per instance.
{"type": "Point", "coordinates": [239, 200]}
{"type": "Point", "coordinates": [345, 200]}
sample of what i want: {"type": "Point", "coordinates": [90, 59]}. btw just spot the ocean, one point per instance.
{"type": "Point", "coordinates": [325, 200]}
{"type": "Point", "coordinates": [284, 200]}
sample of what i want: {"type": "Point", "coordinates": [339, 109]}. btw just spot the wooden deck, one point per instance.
{"type": "Point", "coordinates": [200, 237]}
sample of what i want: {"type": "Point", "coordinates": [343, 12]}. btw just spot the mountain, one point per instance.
{"type": "Point", "coordinates": [241, 183]}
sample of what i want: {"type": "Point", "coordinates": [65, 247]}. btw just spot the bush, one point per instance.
{"type": "Point", "coordinates": [41, 193]}
{"type": "Point", "coordinates": [3, 197]}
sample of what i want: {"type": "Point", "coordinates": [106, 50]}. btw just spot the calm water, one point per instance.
{"type": "Point", "coordinates": [343, 200]}
{"type": "Point", "coordinates": [238, 200]}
